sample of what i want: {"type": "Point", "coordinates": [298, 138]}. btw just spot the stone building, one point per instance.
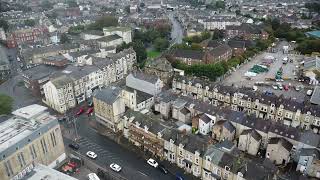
{"type": "Point", "coordinates": [250, 141]}
{"type": "Point", "coordinates": [31, 136]}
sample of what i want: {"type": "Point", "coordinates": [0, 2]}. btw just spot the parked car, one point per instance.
{"type": "Point", "coordinates": [91, 155]}
{"type": "Point", "coordinates": [115, 167]}
{"type": "Point", "coordinates": [286, 87]}
{"type": "Point", "coordinates": [80, 111]}
{"type": "Point", "coordinates": [90, 103]}
{"type": "Point", "coordinates": [93, 176]}
{"type": "Point", "coordinates": [179, 176]}
{"type": "Point", "coordinates": [309, 92]}
{"type": "Point", "coordinates": [74, 146]}
{"type": "Point", "coordinates": [152, 163]}
{"type": "Point", "coordinates": [275, 87]}
{"type": "Point", "coordinates": [268, 93]}
{"type": "Point", "coordinates": [280, 86]}
{"type": "Point", "coordinates": [162, 169]}
{"type": "Point", "coordinates": [89, 111]}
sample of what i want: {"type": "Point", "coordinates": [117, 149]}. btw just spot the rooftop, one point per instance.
{"type": "Point", "coordinates": [24, 126]}
{"type": "Point", "coordinates": [45, 173]}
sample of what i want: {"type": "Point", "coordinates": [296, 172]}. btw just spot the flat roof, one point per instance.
{"type": "Point", "coordinates": [43, 172]}
{"type": "Point", "coordinates": [29, 111]}
{"type": "Point", "coordinates": [18, 131]}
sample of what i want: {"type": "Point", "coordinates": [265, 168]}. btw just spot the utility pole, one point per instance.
{"type": "Point", "coordinates": [75, 128]}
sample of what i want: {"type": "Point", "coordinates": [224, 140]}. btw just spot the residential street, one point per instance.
{"type": "Point", "coordinates": [134, 167]}
{"type": "Point", "coordinates": [177, 31]}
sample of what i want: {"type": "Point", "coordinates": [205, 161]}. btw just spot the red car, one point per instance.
{"type": "Point", "coordinates": [90, 110]}
{"type": "Point", "coordinates": [286, 87]}
{"type": "Point", "coordinates": [81, 110]}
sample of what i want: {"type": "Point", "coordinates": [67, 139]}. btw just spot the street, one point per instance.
{"type": "Point", "coordinates": [133, 166]}
{"type": "Point", "coordinates": [177, 31]}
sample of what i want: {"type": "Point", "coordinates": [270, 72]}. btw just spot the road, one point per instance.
{"type": "Point", "coordinates": [133, 166]}
{"type": "Point", "coordinates": [177, 31]}
{"type": "Point", "coordinates": [14, 85]}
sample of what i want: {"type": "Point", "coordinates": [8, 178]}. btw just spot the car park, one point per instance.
{"type": "Point", "coordinates": [152, 163]}
{"type": "Point", "coordinates": [115, 167]}
{"type": "Point", "coordinates": [162, 169]}
{"type": "Point", "coordinates": [74, 146]}
{"type": "Point", "coordinates": [91, 155]}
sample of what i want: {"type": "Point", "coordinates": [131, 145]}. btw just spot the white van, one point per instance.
{"type": "Point", "coordinates": [93, 176]}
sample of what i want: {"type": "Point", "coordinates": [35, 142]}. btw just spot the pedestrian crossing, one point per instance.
{"type": "Point", "coordinates": [100, 151]}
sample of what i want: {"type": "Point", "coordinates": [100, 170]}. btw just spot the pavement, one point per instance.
{"type": "Point", "coordinates": [134, 166]}
{"type": "Point", "coordinates": [290, 70]}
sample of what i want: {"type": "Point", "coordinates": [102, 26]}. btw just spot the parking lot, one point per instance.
{"type": "Point", "coordinates": [289, 74]}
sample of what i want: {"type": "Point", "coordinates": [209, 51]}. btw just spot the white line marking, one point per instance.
{"type": "Point", "coordinates": [142, 173]}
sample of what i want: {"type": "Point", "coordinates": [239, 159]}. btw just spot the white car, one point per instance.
{"type": "Point", "coordinates": [115, 167]}
{"type": "Point", "coordinates": [92, 155]}
{"type": "Point", "coordinates": [275, 87]}
{"type": "Point", "coordinates": [152, 163]}
{"type": "Point", "coordinates": [309, 92]}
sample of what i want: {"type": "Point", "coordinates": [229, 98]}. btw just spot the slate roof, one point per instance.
{"type": "Point", "coordinates": [236, 44]}
{"type": "Point", "coordinates": [253, 133]}
{"type": "Point", "coordinates": [315, 98]}
{"type": "Point", "coordinates": [229, 126]}
{"type": "Point", "coordinates": [145, 77]}
{"type": "Point", "coordinates": [220, 50]}
{"type": "Point", "coordinates": [39, 72]}
{"type": "Point", "coordinates": [108, 95]}
{"type": "Point", "coordinates": [281, 141]}
{"type": "Point", "coordinates": [192, 54]}
{"type": "Point", "coordinates": [61, 81]}
{"type": "Point", "coordinates": [205, 118]}
{"type": "Point", "coordinates": [109, 38]}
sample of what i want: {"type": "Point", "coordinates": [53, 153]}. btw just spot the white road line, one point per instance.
{"type": "Point", "coordinates": [142, 173]}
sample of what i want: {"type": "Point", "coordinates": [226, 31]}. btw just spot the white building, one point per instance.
{"type": "Point", "coordinates": [123, 32]}
{"type": "Point", "coordinates": [219, 22]}
{"type": "Point", "coordinates": [2, 34]}
{"type": "Point", "coordinates": [77, 83]}
{"type": "Point", "coordinates": [146, 83]}
{"type": "Point", "coordinates": [206, 122]}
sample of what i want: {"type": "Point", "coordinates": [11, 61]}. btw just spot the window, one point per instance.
{"type": "Point", "coordinates": [44, 146]}
{"type": "Point", "coordinates": [8, 168]}
{"type": "Point", "coordinates": [33, 152]}
{"type": "Point", "coordinates": [53, 139]}
{"type": "Point", "coordinates": [21, 160]}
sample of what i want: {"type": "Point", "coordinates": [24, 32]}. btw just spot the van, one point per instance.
{"type": "Point", "coordinates": [93, 176]}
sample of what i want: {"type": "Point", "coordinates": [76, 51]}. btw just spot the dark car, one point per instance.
{"type": "Point", "coordinates": [74, 146]}
{"type": "Point", "coordinates": [90, 103]}
{"type": "Point", "coordinates": [162, 169]}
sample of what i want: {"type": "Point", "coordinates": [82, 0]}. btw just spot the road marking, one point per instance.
{"type": "Point", "coordinates": [142, 173]}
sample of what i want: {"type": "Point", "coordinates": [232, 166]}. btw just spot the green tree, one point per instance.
{"type": "Point", "coordinates": [30, 22]}
{"type": "Point", "coordinates": [217, 34]}
{"type": "Point", "coordinates": [72, 3]}
{"type": "Point", "coordinates": [102, 22]}
{"type": "Point", "coordinates": [64, 39]}
{"type": "Point", "coordinates": [238, 12]}
{"type": "Point", "coordinates": [4, 24]}
{"type": "Point", "coordinates": [46, 5]}
{"type": "Point", "coordinates": [74, 30]}
{"type": "Point", "coordinates": [139, 48]}
{"type": "Point", "coordinates": [220, 5]}
{"type": "Point", "coordinates": [5, 104]}
{"type": "Point", "coordinates": [161, 44]}
{"type": "Point", "coordinates": [127, 9]}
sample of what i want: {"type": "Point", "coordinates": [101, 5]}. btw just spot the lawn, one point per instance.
{"type": "Point", "coordinates": [153, 54]}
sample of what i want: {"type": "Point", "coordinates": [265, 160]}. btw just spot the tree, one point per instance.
{"type": "Point", "coordinates": [238, 12]}
{"type": "Point", "coordinates": [64, 39]}
{"type": "Point", "coordinates": [5, 104]}
{"type": "Point", "coordinates": [217, 34]}
{"type": "Point", "coordinates": [46, 5]}
{"type": "Point", "coordinates": [74, 30]}
{"type": "Point", "coordinates": [30, 22]}
{"type": "Point", "coordinates": [4, 24]}
{"type": "Point", "coordinates": [127, 9]}
{"type": "Point", "coordinates": [72, 3]}
{"type": "Point", "coordinates": [142, 5]}
{"type": "Point", "coordinates": [220, 5]}
{"type": "Point", "coordinates": [161, 44]}
{"type": "Point", "coordinates": [102, 22]}
{"type": "Point", "coordinates": [139, 48]}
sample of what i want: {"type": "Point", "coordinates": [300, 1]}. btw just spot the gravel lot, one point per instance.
{"type": "Point", "coordinates": [238, 79]}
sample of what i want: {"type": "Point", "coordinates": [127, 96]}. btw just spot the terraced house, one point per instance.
{"type": "Point", "coordinates": [77, 83]}
{"type": "Point", "coordinates": [287, 111]}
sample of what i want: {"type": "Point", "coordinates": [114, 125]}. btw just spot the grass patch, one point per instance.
{"type": "Point", "coordinates": [153, 54]}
